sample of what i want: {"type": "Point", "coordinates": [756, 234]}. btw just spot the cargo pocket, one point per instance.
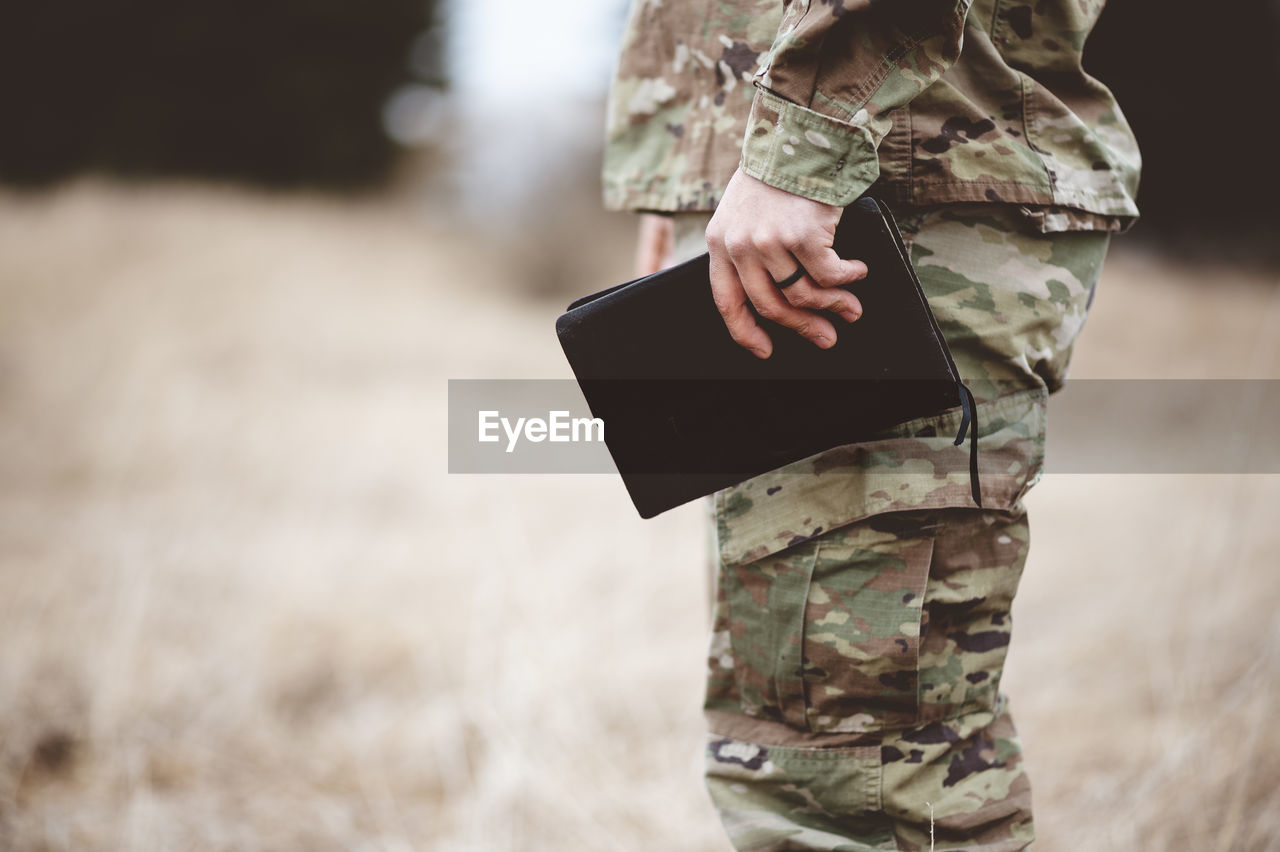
{"type": "Point", "coordinates": [861, 647]}
{"type": "Point", "coordinates": [824, 636]}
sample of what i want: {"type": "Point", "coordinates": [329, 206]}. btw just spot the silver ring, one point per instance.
{"type": "Point", "coordinates": [790, 279]}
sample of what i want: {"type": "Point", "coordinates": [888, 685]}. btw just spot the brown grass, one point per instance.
{"type": "Point", "coordinates": [243, 606]}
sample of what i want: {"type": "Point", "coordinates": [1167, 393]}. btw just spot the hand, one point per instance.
{"type": "Point", "coordinates": [657, 241]}
{"type": "Point", "coordinates": [760, 235]}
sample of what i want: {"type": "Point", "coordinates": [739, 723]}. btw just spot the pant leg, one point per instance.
{"type": "Point", "coordinates": [862, 609]}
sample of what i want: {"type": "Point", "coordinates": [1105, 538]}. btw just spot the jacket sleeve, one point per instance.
{"type": "Point", "coordinates": [835, 71]}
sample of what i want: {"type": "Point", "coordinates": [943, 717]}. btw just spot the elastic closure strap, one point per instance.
{"type": "Point", "coordinates": [969, 426]}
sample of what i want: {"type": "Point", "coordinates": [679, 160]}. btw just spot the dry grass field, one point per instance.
{"type": "Point", "coordinates": [244, 606]}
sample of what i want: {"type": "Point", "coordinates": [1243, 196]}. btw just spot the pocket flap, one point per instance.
{"type": "Point", "coordinates": [917, 466]}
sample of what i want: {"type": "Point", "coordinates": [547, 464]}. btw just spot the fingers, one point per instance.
{"type": "Point", "coordinates": [755, 238]}
{"type": "Point", "coordinates": [805, 293]}
{"type": "Point", "coordinates": [731, 301]}
{"type": "Point", "coordinates": [825, 267]}
{"type": "Point", "coordinates": [759, 263]}
{"type": "Point", "coordinates": [842, 303]}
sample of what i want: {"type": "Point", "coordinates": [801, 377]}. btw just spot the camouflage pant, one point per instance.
{"type": "Point", "coordinates": [862, 600]}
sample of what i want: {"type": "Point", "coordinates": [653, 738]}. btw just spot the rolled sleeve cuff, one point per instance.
{"type": "Point", "coordinates": [807, 153]}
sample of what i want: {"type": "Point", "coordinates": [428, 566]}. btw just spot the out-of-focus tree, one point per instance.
{"type": "Point", "coordinates": [278, 92]}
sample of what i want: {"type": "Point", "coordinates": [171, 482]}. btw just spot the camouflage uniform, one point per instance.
{"type": "Point", "coordinates": [862, 602]}
{"type": "Point", "coordinates": [852, 92]}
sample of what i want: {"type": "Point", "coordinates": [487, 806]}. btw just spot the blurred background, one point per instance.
{"type": "Point", "coordinates": [243, 246]}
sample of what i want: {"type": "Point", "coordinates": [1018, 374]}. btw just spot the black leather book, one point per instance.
{"type": "Point", "coordinates": [687, 411]}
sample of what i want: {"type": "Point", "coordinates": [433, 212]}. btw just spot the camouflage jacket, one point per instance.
{"type": "Point", "coordinates": [934, 101]}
